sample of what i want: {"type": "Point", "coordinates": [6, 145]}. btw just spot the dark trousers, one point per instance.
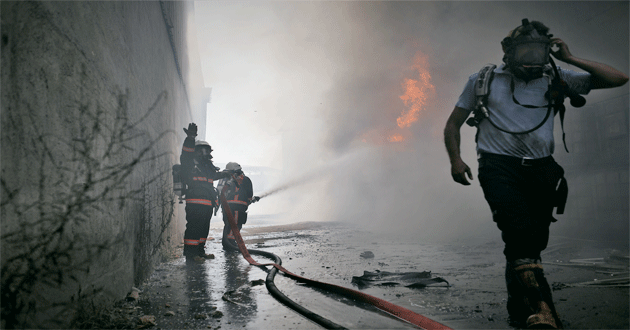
{"type": "Point", "coordinates": [197, 227]}
{"type": "Point", "coordinates": [522, 199]}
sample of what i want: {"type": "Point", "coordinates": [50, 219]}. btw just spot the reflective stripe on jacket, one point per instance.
{"type": "Point", "coordinates": [241, 196]}
{"type": "Point", "coordinates": [198, 177]}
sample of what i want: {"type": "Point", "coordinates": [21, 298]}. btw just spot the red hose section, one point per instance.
{"type": "Point", "coordinates": [395, 310]}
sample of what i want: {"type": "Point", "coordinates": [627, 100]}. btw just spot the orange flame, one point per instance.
{"type": "Point", "coordinates": [416, 92]}
{"type": "Point", "coordinates": [395, 138]}
{"type": "Point", "coordinates": [417, 89]}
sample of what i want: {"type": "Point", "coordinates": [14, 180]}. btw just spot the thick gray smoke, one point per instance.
{"type": "Point", "coordinates": [335, 93]}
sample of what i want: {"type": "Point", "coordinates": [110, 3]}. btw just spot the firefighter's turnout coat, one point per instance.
{"type": "Point", "coordinates": [239, 197]}
{"type": "Point", "coordinates": [201, 197]}
{"type": "Point", "coordinates": [198, 177]}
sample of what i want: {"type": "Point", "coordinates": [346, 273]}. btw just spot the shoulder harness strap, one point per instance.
{"type": "Point", "coordinates": [482, 90]}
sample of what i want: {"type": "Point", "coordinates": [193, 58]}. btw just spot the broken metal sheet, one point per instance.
{"type": "Point", "coordinates": [406, 279]}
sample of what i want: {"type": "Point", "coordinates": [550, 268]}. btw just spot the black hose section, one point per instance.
{"type": "Point", "coordinates": [523, 132]}
{"type": "Point", "coordinates": [271, 287]}
{"type": "Point", "coordinates": [548, 106]}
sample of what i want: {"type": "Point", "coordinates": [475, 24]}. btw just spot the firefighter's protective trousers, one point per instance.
{"type": "Point", "coordinates": [197, 226]}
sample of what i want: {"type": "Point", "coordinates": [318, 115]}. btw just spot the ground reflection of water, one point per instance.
{"type": "Point", "coordinates": [198, 292]}
{"type": "Point", "coordinates": [239, 298]}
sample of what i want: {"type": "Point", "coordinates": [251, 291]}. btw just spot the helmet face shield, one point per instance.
{"type": "Point", "coordinates": [203, 153]}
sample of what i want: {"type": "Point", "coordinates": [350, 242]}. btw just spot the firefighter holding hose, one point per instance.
{"type": "Point", "coordinates": [239, 194]}
{"type": "Point", "coordinates": [514, 106]}
{"type": "Point", "coordinates": [198, 174]}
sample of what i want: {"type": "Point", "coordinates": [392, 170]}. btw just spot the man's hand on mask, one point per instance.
{"type": "Point", "coordinates": [191, 132]}
{"type": "Point", "coordinates": [563, 54]}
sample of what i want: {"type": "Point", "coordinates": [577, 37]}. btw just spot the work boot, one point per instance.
{"type": "Point", "coordinates": [202, 252]}
{"type": "Point", "coordinates": [194, 259]}
{"type": "Point", "coordinates": [541, 315]}
{"type": "Point", "coordinates": [517, 310]}
{"type": "Point", "coordinates": [543, 319]}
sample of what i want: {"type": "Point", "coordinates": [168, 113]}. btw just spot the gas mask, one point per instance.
{"type": "Point", "coordinates": [526, 51]}
{"type": "Point", "coordinates": [203, 154]}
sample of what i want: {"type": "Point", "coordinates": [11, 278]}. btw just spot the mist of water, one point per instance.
{"type": "Point", "coordinates": [338, 70]}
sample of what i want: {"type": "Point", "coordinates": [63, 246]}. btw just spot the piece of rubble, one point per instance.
{"type": "Point", "coordinates": [258, 282]}
{"type": "Point", "coordinates": [169, 313]}
{"type": "Point", "coordinates": [217, 314]}
{"type": "Point", "coordinates": [367, 255]}
{"type": "Point", "coordinates": [134, 294]}
{"type": "Point", "coordinates": [146, 321]}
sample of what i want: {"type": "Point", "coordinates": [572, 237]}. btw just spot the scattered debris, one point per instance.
{"type": "Point", "coordinates": [231, 296]}
{"type": "Point", "coordinates": [134, 294]}
{"type": "Point", "coordinates": [123, 315]}
{"type": "Point", "coordinates": [258, 282]}
{"type": "Point", "coordinates": [614, 282]}
{"type": "Point", "coordinates": [146, 321]}
{"type": "Point", "coordinates": [201, 316]}
{"type": "Point", "coordinates": [615, 265]}
{"type": "Point", "coordinates": [367, 255]}
{"type": "Point", "coordinates": [612, 273]}
{"type": "Point", "coordinates": [169, 313]}
{"type": "Point", "coordinates": [610, 263]}
{"type": "Point", "coordinates": [217, 314]}
{"type": "Point", "coordinates": [407, 279]}
{"type": "Point", "coordinates": [556, 286]}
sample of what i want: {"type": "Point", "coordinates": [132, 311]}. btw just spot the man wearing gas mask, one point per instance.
{"type": "Point", "coordinates": [198, 175]}
{"type": "Point", "coordinates": [513, 107]}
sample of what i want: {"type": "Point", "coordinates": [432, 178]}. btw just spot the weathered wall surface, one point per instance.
{"type": "Point", "coordinates": [597, 172]}
{"type": "Point", "coordinates": [94, 95]}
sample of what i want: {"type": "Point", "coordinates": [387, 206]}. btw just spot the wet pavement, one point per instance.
{"type": "Point", "coordinates": [228, 293]}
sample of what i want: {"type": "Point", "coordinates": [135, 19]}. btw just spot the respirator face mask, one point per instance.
{"type": "Point", "coordinates": [203, 154]}
{"type": "Point", "coordinates": [531, 53]}
{"type": "Point", "coordinates": [527, 53]}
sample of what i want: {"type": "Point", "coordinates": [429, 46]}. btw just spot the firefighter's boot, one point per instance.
{"type": "Point", "coordinates": [542, 316]}
{"type": "Point", "coordinates": [517, 310]}
{"type": "Point", "coordinates": [202, 252]}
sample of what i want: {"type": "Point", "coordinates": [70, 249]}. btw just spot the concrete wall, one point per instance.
{"type": "Point", "coordinates": [596, 168]}
{"type": "Point", "coordinates": [94, 98]}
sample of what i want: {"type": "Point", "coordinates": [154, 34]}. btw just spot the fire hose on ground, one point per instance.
{"type": "Point", "coordinates": [383, 305]}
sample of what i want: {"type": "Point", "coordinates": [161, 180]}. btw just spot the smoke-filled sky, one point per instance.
{"type": "Point", "coordinates": [319, 87]}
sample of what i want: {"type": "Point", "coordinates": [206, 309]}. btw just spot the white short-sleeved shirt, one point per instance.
{"type": "Point", "coordinates": [510, 116]}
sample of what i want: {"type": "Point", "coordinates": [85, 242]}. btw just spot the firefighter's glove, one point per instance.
{"type": "Point", "coordinates": [191, 132]}
{"type": "Point", "coordinates": [255, 199]}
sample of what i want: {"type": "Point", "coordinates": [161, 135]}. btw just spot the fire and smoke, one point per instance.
{"type": "Point", "coordinates": [417, 89]}
{"type": "Point", "coordinates": [416, 92]}
{"type": "Point", "coordinates": [334, 77]}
